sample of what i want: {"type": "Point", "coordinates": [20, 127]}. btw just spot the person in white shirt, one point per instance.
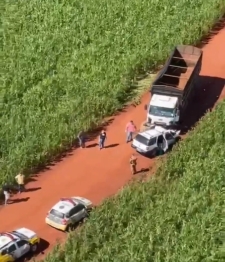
{"type": "Point", "coordinates": [7, 196]}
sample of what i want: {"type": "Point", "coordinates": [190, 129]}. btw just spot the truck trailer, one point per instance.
{"type": "Point", "coordinates": [174, 86]}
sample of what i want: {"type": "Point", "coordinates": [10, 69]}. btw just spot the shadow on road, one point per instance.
{"type": "Point", "coordinates": [41, 250]}
{"type": "Point", "coordinates": [112, 145]}
{"type": "Point", "coordinates": [205, 95]}
{"type": "Point", "coordinates": [32, 189]}
{"type": "Point", "coordinates": [92, 145]}
{"type": "Point", "coordinates": [18, 200]}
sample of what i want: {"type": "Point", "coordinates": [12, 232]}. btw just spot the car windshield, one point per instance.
{"type": "Point", "coordinates": [56, 213]}
{"type": "Point", "coordinates": [161, 111]}
{"type": "Point", "coordinates": [141, 139]}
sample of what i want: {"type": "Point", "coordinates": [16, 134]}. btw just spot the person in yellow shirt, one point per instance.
{"type": "Point", "coordinates": [20, 180]}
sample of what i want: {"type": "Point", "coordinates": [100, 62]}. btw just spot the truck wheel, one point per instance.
{"type": "Point", "coordinates": [69, 228]}
{"type": "Point", "coordinates": [85, 219]}
{"type": "Point", "coordinates": [34, 248]}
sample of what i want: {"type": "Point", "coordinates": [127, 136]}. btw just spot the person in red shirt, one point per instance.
{"type": "Point", "coordinates": [130, 130]}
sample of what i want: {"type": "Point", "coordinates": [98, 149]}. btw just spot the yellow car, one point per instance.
{"type": "Point", "coordinates": [18, 243]}
{"type": "Point", "coordinates": [68, 211]}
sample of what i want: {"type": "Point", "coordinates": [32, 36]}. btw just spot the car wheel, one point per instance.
{"type": "Point", "coordinates": [69, 228]}
{"type": "Point", "coordinates": [85, 219]}
{"type": "Point", "coordinates": [34, 248]}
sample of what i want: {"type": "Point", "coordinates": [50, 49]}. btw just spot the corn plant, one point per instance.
{"type": "Point", "coordinates": [176, 216]}
{"type": "Point", "coordinates": [67, 64]}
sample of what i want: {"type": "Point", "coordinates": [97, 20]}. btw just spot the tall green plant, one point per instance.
{"type": "Point", "coordinates": [176, 216]}
{"type": "Point", "coordinates": [67, 64]}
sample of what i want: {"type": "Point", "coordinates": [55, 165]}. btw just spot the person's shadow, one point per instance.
{"type": "Point", "coordinates": [96, 144]}
{"type": "Point", "coordinates": [112, 145]}
{"type": "Point", "coordinates": [18, 200]}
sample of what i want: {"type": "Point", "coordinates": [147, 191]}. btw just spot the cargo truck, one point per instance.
{"type": "Point", "coordinates": [174, 86]}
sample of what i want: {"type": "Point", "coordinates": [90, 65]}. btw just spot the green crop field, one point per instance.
{"type": "Point", "coordinates": [177, 216]}
{"type": "Point", "coordinates": [67, 64]}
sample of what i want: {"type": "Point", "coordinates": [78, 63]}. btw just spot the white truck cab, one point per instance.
{"type": "Point", "coordinates": [163, 110]}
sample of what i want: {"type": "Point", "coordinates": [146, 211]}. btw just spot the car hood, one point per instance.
{"type": "Point", "coordinates": [83, 201]}
{"type": "Point", "coordinates": [24, 233]}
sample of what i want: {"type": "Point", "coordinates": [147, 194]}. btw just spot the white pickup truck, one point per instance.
{"type": "Point", "coordinates": [156, 138]}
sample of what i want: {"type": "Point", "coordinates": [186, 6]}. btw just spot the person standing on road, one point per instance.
{"type": "Point", "coordinates": [81, 138]}
{"type": "Point", "coordinates": [6, 194]}
{"type": "Point", "coordinates": [102, 139]}
{"type": "Point", "coordinates": [133, 164]}
{"type": "Point", "coordinates": [130, 130]}
{"type": "Point", "coordinates": [20, 180]}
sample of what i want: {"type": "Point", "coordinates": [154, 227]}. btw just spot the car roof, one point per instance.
{"type": "Point", "coordinates": [65, 205]}
{"type": "Point", "coordinates": [155, 131]}
{"type": "Point", "coordinates": [150, 133]}
{"type": "Point", "coordinates": [6, 238]}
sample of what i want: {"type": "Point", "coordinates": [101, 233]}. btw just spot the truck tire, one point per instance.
{"type": "Point", "coordinates": [34, 248]}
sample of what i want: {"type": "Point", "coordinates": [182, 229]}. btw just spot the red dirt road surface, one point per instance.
{"type": "Point", "coordinates": [96, 174]}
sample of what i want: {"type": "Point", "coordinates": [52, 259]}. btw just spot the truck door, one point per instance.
{"type": "Point", "coordinates": [170, 139]}
{"type": "Point", "coordinates": [77, 213]}
{"type": "Point", "coordinates": [165, 145]}
{"type": "Point", "coordinates": [13, 251]}
{"type": "Point", "coordinates": [160, 141]}
{"type": "Point", "coordinates": [177, 115]}
{"type": "Point", "coordinates": [23, 247]}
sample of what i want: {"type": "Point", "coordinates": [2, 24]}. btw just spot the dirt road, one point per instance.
{"type": "Point", "coordinates": [98, 174]}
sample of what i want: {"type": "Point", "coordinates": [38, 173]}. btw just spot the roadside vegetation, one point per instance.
{"type": "Point", "coordinates": [67, 64]}
{"type": "Point", "coordinates": [178, 215]}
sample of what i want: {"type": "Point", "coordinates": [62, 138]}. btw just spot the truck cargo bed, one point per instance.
{"type": "Point", "coordinates": [178, 71]}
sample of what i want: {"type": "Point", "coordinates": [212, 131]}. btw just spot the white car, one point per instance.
{"type": "Point", "coordinates": [15, 244]}
{"type": "Point", "coordinates": [156, 138]}
{"type": "Point", "coordinates": [68, 211]}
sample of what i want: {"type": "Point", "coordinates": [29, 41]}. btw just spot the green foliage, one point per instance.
{"type": "Point", "coordinates": [176, 216]}
{"type": "Point", "coordinates": [67, 64]}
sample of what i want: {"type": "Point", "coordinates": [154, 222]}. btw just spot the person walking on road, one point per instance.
{"type": "Point", "coordinates": [130, 130]}
{"type": "Point", "coordinates": [102, 139]}
{"type": "Point", "coordinates": [20, 180]}
{"type": "Point", "coordinates": [133, 164]}
{"type": "Point", "coordinates": [81, 138]}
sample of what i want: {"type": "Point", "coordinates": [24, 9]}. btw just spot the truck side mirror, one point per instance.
{"type": "Point", "coordinates": [145, 107]}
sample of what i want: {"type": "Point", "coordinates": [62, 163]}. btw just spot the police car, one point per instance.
{"type": "Point", "coordinates": [68, 211]}
{"type": "Point", "coordinates": [15, 244]}
{"type": "Point", "coordinates": [154, 139]}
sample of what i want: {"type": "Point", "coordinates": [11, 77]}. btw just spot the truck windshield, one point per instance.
{"type": "Point", "coordinates": [161, 111]}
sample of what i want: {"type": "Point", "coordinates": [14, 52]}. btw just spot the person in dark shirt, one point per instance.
{"type": "Point", "coordinates": [102, 139]}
